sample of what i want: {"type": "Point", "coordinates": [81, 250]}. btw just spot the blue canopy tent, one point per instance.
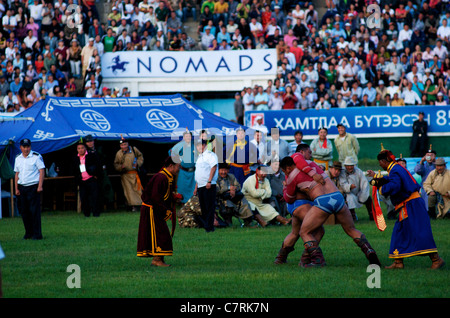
{"type": "Point", "coordinates": [59, 122]}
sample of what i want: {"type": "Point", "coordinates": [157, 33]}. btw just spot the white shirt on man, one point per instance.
{"type": "Point", "coordinates": [205, 162]}
{"type": "Point", "coordinates": [28, 168]}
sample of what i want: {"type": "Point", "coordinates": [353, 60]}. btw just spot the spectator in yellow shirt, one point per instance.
{"type": "Point", "coordinates": [220, 12]}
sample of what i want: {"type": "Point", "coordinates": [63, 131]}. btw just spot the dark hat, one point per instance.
{"type": "Point", "coordinates": [122, 140]}
{"type": "Point", "coordinates": [89, 138]}
{"type": "Point", "coordinates": [340, 125]}
{"type": "Point", "coordinates": [81, 142]}
{"type": "Point", "coordinates": [25, 142]}
{"type": "Point", "coordinates": [336, 165]}
{"type": "Point", "coordinates": [386, 155]}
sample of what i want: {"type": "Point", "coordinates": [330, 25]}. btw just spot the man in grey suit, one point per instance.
{"type": "Point", "coordinates": [277, 148]}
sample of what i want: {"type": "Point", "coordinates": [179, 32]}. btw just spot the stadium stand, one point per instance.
{"type": "Point", "coordinates": [328, 51]}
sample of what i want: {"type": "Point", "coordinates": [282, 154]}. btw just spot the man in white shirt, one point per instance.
{"type": "Point", "coordinates": [443, 32]}
{"type": "Point", "coordinates": [405, 34]}
{"type": "Point", "coordinates": [414, 72]}
{"type": "Point", "coordinates": [206, 174]}
{"type": "Point", "coordinates": [9, 21]}
{"type": "Point", "coordinates": [29, 171]}
{"type": "Point", "coordinates": [410, 97]}
{"type": "Point", "coordinates": [440, 50]}
{"type": "Point", "coordinates": [207, 38]}
{"type": "Point", "coordinates": [290, 57]}
{"type": "Point", "coordinates": [248, 99]}
{"type": "Point", "coordinates": [394, 70]}
{"type": "Point", "coordinates": [9, 99]}
{"type": "Point", "coordinates": [313, 75]}
{"type": "Point", "coordinates": [30, 39]}
{"type": "Point", "coordinates": [276, 101]}
{"type": "Point", "coordinates": [354, 44]}
{"type": "Point", "coordinates": [255, 27]}
{"type": "Point", "coordinates": [260, 144]}
{"type": "Point", "coordinates": [36, 10]}
{"type": "Point", "coordinates": [395, 44]}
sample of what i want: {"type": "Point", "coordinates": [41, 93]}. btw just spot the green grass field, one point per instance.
{"type": "Point", "coordinates": [228, 263]}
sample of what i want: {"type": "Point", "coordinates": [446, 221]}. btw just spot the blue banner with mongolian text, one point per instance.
{"type": "Point", "coordinates": [361, 121]}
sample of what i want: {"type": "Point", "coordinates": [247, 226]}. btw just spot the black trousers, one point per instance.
{"type": "Point", "coordinates": [30, 208]}
{"type": "Point", "coordinates": [89, 197]}
{"type": "Point", "coordinates": [207, 199]}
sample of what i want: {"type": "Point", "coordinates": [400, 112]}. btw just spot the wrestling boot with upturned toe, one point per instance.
{"type": "Point", "coordinates": [370, 253]}
{"type": "Point", "coordinates": [305, 259]}
{"type": "Point", "coordinates": [283, 254]}
{"type": "Point", "coordinates": [315, 253]}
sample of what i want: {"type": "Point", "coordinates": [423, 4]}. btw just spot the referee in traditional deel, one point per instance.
{"type": "Point", "coordinates": [30, 172]}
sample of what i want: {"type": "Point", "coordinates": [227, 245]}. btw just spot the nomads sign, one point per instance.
{"type": "Point", "coordinates": [188, 64]}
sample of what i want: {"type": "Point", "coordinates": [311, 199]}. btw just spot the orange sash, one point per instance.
{"type": "Point", "coordinates": [140, 187]}
{"type": "Point", "coordinates": [401, 207]}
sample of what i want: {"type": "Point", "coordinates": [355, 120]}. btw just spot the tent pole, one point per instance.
{"type": "Point", "coordinates": [12, 197]}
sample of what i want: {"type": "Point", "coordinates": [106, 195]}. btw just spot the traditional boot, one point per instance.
{"type": "Point", "coordinates": [283, 254]}
{"type": "Point", "coordinates": [370, 253]}
{"type": "Point", "coordinates": [398, 264]}
{"type": "Point", "coordinates": [159, 261]}
{"type": "Point", "coordinates": [283, 220]}
{"type": "Point", "coordinates": [436, 261]}
{"type": "Point", "coordinates": [305, 259]}
{"type": "Point", "coordinates": [260, 220]}
{"type": "Point", "coordinates": [368, 205]}
{"type": "Point", "coordinates": [315, 252]}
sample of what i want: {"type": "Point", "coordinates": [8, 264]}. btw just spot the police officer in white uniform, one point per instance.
{"type": "Point", "coordinates": [30, 172]}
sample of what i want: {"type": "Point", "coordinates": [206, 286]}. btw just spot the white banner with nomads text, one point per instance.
{"type": "Point", "coordinates": [189, 63]}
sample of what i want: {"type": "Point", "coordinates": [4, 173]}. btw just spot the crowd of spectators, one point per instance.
{"type": "Point", "coordinates": [346, 57]}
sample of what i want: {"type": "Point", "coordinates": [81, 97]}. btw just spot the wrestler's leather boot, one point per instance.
{"type": "Point", "coordinates": [159, 261]}
{"type": "Point", "coordinates": [370, 253]}
{"type": "Point", "coordinates": [283, 255]}
{"type": "Point", "coordinates": [398, 264]}
{"type": "Point", "coordinates": [305, 259]}
{"type": "Point", "coordinates": [260, 220]}
{"type": "Point", "coordinates": [437, 261]}
{"type": "Point", "coordinates": [315, 252]}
